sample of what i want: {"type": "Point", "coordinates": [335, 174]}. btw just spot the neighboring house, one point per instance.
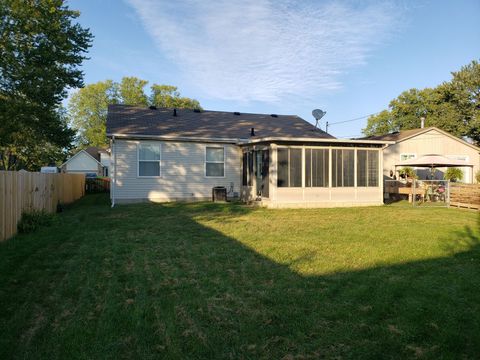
{"type": "Point", "coordinates": [277, 160]}
{"type": "Point", "coordinates": [411, 144]}
{"type": "Point", "coordinates": [92, 160]}
{"type": "Point", "coordinates": [105, 160]}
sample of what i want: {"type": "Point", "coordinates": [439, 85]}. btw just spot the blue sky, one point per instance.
{"type": "Point", "coordinates": [349, 58]}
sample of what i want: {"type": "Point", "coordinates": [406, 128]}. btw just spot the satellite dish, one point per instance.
{"type": "Point", "coordinates": [318, 114]}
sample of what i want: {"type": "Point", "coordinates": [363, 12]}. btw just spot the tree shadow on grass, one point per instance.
{"type": "Point", "coordinates": [150, 281]}
{"type": "Point", "coordinates": [466, 238]}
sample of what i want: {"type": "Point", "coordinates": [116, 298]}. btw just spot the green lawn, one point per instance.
{"type": "Point", "coordinates": [190, 281]}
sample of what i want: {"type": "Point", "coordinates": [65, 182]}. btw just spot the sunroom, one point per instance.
{"type": "Point", "coordinates": [312, 172]}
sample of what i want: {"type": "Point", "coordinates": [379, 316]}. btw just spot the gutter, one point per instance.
{"type": "Point", "coordinates": [239, 141]}
{"type": "Point", "coordinates": [177, 138]}
{"type": "Point", "coordinates": [318, 140]}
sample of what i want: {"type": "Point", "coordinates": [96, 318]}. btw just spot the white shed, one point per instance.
{"type": "Point", "coordinates": [83, 162]}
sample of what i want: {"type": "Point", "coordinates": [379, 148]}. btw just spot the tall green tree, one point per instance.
{"type": "Point", "coordinates": [41, 50]}
{"type": "Point", "coordinates": [88, 106]}
{"type": "Point", "coordinates": [453, 106]}
{"type": "Point", "coordinates": [465, 93]}
{"type": "Point", "coordinates": [168, 96]}
{"type": "Point", "coordinates": [32, 152]}
{"type": "Point", "coordinates": [88, 112]}
{"type": "Point", "coordinates": [132, 91]}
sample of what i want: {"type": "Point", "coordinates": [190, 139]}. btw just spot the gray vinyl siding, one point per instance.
{"type": "Point", "coordinates": [182, 172]}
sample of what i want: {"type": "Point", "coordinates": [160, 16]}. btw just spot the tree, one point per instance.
{"type": "Point", "coordinates": [382, 123]}
{"type": "Point", "coordinates": [453, 174]}
{"type": "Point", "coordinates": [88, 112]}
{"type": "Point", "coordinates": [407, 172]}
{"type": "Point", "coordinates": [167, 96]}
{"type": "Point", "coordinates": [132, 91]}
{"type": "Point", "coordinates": [28, 151]}
{"type": "Point", "coordinates": [452, 106]}
{"type": "Point", "coordinates": [465, 89]}
{"type": "Point", "coordinates": [88, 106]}
{"type": "Point", "coordinates": [41, 50]}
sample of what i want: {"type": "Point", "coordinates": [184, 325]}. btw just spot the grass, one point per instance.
{"type": "Point", "coordinates": [191, 281]}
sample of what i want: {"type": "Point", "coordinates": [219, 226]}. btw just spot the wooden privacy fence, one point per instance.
{"type": "Point", "coordinates": [26, 191]}
{"type": "Point", "coordinates": [465, 195]}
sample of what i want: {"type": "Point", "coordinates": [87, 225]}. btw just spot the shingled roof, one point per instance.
{"type": "Point", "coordinates": [137, 121]}
{"type": "Point", "coordinates": [398, 135]}
{"type": "Point", "coordinates": [406, 134]}
{"type": "Point", "coordinates": [95, 151]}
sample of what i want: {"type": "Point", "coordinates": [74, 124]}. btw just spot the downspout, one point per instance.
{"type": "Point", "coordinates": [114, 177]}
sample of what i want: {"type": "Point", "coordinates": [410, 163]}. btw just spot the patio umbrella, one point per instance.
{"type": "Point", "coordinates": [433, 161]}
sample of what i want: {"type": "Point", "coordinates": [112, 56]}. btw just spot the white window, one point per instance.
{"type": "Point", "coordinates": [149, 160]}
{"type": "Point", "coordinates": [214, 161]}
{"type": "Point", "coordinates": [404, 157]}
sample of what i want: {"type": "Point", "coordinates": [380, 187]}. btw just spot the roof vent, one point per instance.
{"type": "Point", "coordinates": [174, 112]}
{"type": "Point", "coordinates": [273, 115]}
{"type": "Point", "coordinates": [196, 110]}
{"type": "Point", "coordinates": [153, 107]}
{"type": "Point", "coordinates": [252, 132]}
{"type": "Point", "coordinates": [236, 113]}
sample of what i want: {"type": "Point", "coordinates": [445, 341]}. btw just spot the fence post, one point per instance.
{"type": "Point", "coordinates": [414, 192]}
{"type": "Point", "coordinates": [448, 193]}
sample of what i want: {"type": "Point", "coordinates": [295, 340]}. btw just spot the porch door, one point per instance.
{"type": "Point", "coordinates": [265, 172]}
{"type": "Point", "coordinates": [261, 172]}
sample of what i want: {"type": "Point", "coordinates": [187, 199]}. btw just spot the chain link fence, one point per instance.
{"type": "Point", "coordinates": [417, 192]}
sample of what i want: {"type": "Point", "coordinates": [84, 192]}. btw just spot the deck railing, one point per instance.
{"type": "Point", "coordinates": [465, 195]}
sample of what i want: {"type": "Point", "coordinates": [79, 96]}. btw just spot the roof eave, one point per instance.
{"type": "Point", "coordinates": [174, 138]}
{"type": "Point", "coordinates": [319, 140]}
{"type": "Point", "coordinates": [430, 128]}
{"type": "Point", "coordinates": [77, 153]}
{"type": "Point", "coordinates": [239, 141]}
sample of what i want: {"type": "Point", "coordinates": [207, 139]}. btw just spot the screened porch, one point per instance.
{"type": "Point", "coordinates": [312, 174]}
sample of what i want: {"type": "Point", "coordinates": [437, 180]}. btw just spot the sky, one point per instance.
{"type": "Point", "coordinates": [348, 58]}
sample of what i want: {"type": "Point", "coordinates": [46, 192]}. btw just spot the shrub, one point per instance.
{"type": "Point", "coordinates": [31, 221]}
{"type": "Point", "coordinates": [407, 172]}
{"type": "Point", "coordinates": [477, 176]}
{"type": "Point", "coordinates": [453, 174]}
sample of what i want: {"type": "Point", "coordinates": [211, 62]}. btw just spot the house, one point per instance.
{"type": "Point", "coordinates": [105, 160]}
{"type": "Point", "coordinates": [275, 160]}
{"type": "Point", "coordinates": [415, 143]}
{"type": "Point", "coordinates": [92, 161]}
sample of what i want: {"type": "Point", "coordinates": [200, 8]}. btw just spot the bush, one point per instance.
{"type": "Point", "coordinates": [31, 221]}
{"type": "Point", "coordinates": [407, 172]}
{"type": "Point", "coordinates": [453, 174]}
{"type": "Point", "coordinates": [477, 176]}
